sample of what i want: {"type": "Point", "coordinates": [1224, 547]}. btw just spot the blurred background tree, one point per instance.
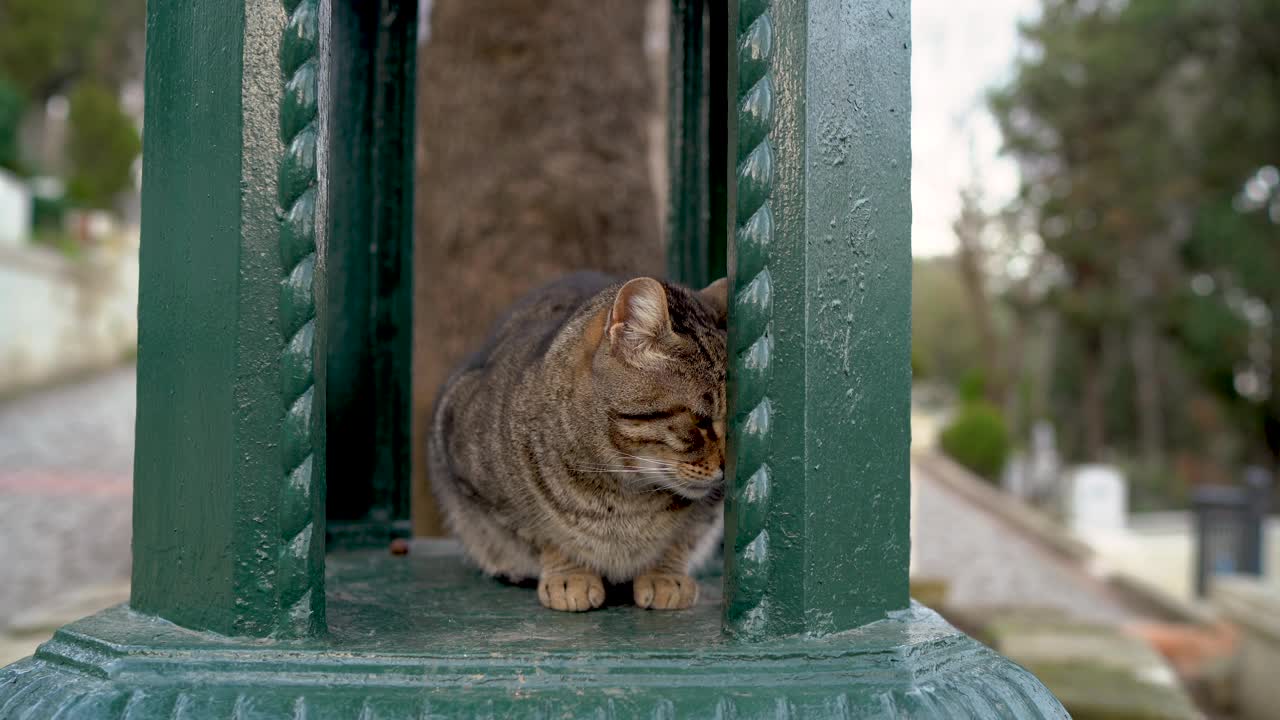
{"type": "Point", "coordinates": [1129, 293]}
{"type": "Point", "coordinates": [46, 46]}
{"type": "Point", "coordinates": [945, 334]}
{"type": "Point", "coordinates": [84, 53]}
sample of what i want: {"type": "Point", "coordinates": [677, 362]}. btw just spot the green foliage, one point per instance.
{"type": "Point", "coordinates": [1155, 488]}
{"type": "Point", "coordinates": [103, 145]}
{"type": "Point", "coordinates": [978, 439]}
{"type": "Point", "coordinates": [59, 240]}
{"type": "Point", "coordinates": [46, 45]}
{"type": "Point", "coordinates": [43, 42]}
{"type": "Point", "coordinates": [1137, 126]}
{"type": "Point", "coordinates": [944, 334]}
{"type": "Point", "coordinates": [11, 106]}
{"type": "Point", "coordinates": [973, 387]}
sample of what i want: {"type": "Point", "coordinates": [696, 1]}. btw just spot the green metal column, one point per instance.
{"type": "Point", "coordinates": [687, 151]}
{"type": "Point", "coordinates": [697, 136]}
{"type": "Point", "coordinates": [817, 532]}
{"type": "Point", "coordinates": [370, 228]}
{"type": "Point", "coordinates": [228, 510]}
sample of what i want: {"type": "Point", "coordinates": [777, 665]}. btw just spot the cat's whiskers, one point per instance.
{"type": "Point", "coordinates": [679, 488]}
{"type": "Point", "coordinates": [664, 479]}
{"type": "Point", "coordinates": [644, 465]}
{"type": "Point", "coordinates": [656, 475]}
{"type": "Point", "coordinates": [621, 454]}
{"type": "Point", "coordinates": [623, 471]}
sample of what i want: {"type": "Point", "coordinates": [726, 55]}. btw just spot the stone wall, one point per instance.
{"type": "Point", "coordinates": [62, 316]}
{"type": "Point", "coordinates": [1254, 606]}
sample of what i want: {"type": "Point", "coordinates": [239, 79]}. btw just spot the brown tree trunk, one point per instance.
{"type": "Point", "coordinates": [1146, 384]}
{"type": "Point", "coordinates": [1014, 368]}
{"type": "Point", "coordinates": [1093, 401]}
{"type": "Point", "coordinates": [532, 162]}
{"type": "Point", "coordinates": [1271, 419]}
{"type": "Point", "coordinates": [969, 256]}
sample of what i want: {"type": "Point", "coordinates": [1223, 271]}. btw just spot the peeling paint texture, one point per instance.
{"type": "Point", "coordinates": [817, 529]}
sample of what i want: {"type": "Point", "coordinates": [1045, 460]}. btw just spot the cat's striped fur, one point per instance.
{"type": "Point", "coordinates": [586, 440]}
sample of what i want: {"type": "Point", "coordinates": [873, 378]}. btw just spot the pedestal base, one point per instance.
{"type": "Point", "coordinates": [422, 636]}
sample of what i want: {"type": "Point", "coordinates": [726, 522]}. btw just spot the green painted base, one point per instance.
{"type": "Point", "coordinates": [422, 636]}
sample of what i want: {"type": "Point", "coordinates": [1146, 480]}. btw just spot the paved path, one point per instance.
{"type": "Point", "coordinates": [988, 563]}
{"type": "Point", "coordinates": [66, 458]}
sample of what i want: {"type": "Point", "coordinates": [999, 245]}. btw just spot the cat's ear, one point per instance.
{"type": "Point", "coordinates": [716, 295]}
{"type": "Point", "coordinates": [639, 315]}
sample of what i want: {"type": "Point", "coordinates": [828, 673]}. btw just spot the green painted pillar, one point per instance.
{"type": "Point", "coordinates": [228, 501]}
{"type": "Point", "coordinates": [369, 203]}
{"type": "Point", "coordinates": [688, 216]}
{"type": "Point", "coordinates": [697, 136]}
{"type": "Point", "coordinates": [817, 534]}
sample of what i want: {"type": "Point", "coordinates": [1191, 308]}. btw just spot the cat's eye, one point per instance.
{"type": "Point", "coordinates": [648, 416]}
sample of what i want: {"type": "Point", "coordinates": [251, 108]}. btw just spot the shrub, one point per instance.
{"type": "Point", "coordinates": [101, 146]}
{"type": "Point", "coordinates": [973, 387]}
{"type": "Point", "coordinates": [977, 439]}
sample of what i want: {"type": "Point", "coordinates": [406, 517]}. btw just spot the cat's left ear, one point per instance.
{"type": "Point", "coordinates": [716, 295]}
{"type": "Point", "coordinates": [639, 316]}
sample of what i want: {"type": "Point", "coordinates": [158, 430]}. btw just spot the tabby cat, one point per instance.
{"type": "Point", "coordinates": [585, 441]}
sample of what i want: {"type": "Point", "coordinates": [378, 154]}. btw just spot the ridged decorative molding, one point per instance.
{"type": "Point", "coordinates": [299, 575]}
{"type": "Point", "coordinates": [751, 335]}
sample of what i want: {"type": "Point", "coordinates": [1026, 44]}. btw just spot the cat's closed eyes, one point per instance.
{"type": "Point", "coordinates": [586, 441]}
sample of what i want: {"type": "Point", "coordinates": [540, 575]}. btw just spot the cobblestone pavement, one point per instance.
{"type": "Point", "coordinates": [66, 458]}
{"type": "Point", "coordinates": [988, 563]}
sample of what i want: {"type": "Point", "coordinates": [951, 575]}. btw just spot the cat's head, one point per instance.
{"type": "Point", "coordinates": [659, 371]}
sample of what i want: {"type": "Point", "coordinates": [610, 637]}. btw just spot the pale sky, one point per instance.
{"type": "Point", "coordinates": [960, 48]}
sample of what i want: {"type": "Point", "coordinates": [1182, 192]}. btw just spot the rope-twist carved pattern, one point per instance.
{"type": "Point", "coordinates": [297, 573]}
{"type": "Point", "coordinates": [751, 337]}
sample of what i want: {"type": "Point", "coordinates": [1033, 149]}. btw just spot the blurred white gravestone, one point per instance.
{"type": "Point", "coordinates": [1033, 475]}
{"type": "Point", "coordinates": [1045, 463]}
{"type": "Point", "coordinates": [1016, 478]}
{"type": "Point", "coordinates": [1098, 499]}
{"type": "Point", "coordinates": [15, 210]}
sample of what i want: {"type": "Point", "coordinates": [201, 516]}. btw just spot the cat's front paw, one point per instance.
{"type": "Point", "coordinates": [665, 591]}
{"type": "Point", "coordinates": [571, 592]}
